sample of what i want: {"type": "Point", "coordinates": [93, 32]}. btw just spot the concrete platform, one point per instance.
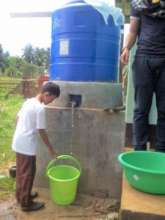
{"type": "Point", "coordinates": [136, 205]}
{"type": "Point", "coordinates": [85, 207]}
{"type": "Point", "coordinates": [93, 94]}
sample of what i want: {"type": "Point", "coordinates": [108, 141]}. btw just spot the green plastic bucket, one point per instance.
{"type": "Point", "coordinates": [144, 170]}
{"type": "Point", "coordinates": [63, 179]}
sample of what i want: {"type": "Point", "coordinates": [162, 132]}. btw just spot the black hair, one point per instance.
{"type": "Point", "coordinates": [51, 88]}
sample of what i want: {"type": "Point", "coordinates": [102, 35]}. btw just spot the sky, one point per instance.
{"type": "Point", "coordinates": [16, 33]}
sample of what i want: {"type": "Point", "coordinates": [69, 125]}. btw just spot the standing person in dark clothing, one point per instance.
{"type": "Point", "coordinates": [30, 124]}
{"type": "Point", "coordinates": [147, 26]}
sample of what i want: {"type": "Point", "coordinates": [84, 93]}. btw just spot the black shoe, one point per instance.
{"type": "Point", "coordinates": [33, 195]}
{"type": "Point", "coordinates": [34, 206]}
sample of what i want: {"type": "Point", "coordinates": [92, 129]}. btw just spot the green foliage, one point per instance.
{"type": "Point", "coordinates": [3, 59]}
{"type": "Point", "coordinates": [28, 53]}
{"type": "Point", "coordinates": [7, 186]}
{"type": "Point", "coordinates": [41, 57]}
{"type": "Point", "coordinates": [13, 66]}
{"type": "Point", "coordinates": [8, 110]}
{"type": "Point", "coordinates": [7, 183]}
{"type": "Point", "coordinates": [37, 56]}
{"type": "Point", "coordinates": [29, 70]}
{"type": "Point", "coordinates": [34, 62]}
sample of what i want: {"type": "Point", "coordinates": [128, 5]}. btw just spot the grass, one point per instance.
{"type": "Point", "coordinates": [7, 186]}
{"type": "Point", "coordinates": [8, 111]}
{"type": "Point", "coordinates": [6, 78]}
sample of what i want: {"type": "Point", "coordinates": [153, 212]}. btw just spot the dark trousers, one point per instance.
{"type": "Point", "coordinates": [148, 77]}
{"type": "Point", "coordinates": [26, 168]}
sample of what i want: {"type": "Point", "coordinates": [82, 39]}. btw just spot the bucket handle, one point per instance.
{"type": "Point", "coordinates": [64, 157]}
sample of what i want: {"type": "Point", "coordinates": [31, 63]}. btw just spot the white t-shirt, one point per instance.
{"type": "Point", "coordinates": [31, 117]}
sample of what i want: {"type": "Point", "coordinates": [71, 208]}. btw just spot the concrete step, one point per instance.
{"type": "Point", "coordinates": [136, 205]}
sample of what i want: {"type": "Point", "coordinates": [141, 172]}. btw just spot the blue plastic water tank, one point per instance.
{"type": "Point", "coordinates": [84, 47]}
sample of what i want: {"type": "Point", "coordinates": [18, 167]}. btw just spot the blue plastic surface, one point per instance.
{"type": "Point", "coordinates": [84, 47]}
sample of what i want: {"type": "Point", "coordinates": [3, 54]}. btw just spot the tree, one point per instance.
{"type": "Point", "coordinates": [3, 59]}
{"type": "Point", "coordinates": [1, 56]}
{"type": "Point", "coordinates": [13, 66]}
{"type": "Point", "coordinates": [41, 57]}
{"type": "Point", "coordinates": [37, 56]}
{"type": "Point", "coordinates": [29, 70]}
{"type": "Point", "coordinates": [34, 62]}
{"type": "Point", "coordinates": [28, 54]}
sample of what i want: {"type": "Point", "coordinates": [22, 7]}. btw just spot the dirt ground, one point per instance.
{"type": "Point", "coordinates": [85, 208]}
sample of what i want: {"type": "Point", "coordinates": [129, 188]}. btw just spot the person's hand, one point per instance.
{"type": "Point", "coordinates": [124, 56]}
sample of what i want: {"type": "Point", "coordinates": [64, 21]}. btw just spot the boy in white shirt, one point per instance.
{"type": "Point", "coordinates": [30, 123]}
